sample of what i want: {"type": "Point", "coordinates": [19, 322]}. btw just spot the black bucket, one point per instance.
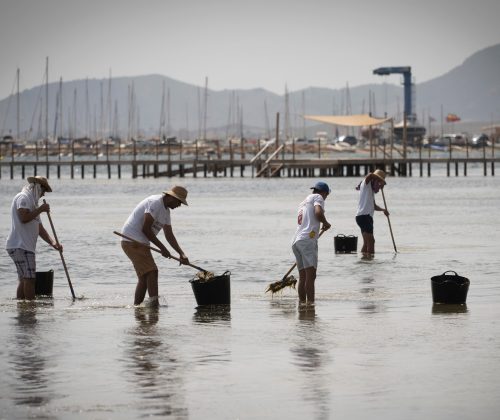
{"type": "Point", "coordinates": [345, 244]}
{"type": "Point", "coordinates": [449, 288]}
{"type": "Point", "coordinates": [44, 283]}
{"type": "Point", "coordinates": [216, 291]}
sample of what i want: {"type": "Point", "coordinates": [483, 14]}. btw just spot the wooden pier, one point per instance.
{"type": "Point", "coordinates": [324, 167]}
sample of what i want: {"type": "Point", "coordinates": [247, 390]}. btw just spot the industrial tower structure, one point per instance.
{"type": "Point", "coordinates": [413, 130]}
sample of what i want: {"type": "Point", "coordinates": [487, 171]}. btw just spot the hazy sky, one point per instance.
{"type": "Point", "coordinates": [241, 44]}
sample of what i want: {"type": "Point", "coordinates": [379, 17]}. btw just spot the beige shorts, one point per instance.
{"type": "Point", "coordinates": [140, 256]}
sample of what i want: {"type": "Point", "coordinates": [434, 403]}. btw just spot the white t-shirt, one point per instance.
{"type": "Point", "coordinates": [152, 205]}
{"type": "Point", "coordinates": [23, 235]}
{"type": "Point", "coordinates": [366, 204]}
{"type": "Point", "coordinates": [307, 223]}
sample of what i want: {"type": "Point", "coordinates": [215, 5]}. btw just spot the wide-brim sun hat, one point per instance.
{"type": "Point", "coordinates": [380, 174]}
{"type": "Point", "coordinates": [40, 180]}
{"type": "Point", "coordinates": [321, 186]}
{"type": "Point", "coordinates": [178, 192]}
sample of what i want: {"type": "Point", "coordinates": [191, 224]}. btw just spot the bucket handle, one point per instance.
{"type": "Point", "coordinates": [227, 272]}
{"type": "Point", "coordinates": [450, 271]}
{"type": "Point", "coordinates": [340, 235]}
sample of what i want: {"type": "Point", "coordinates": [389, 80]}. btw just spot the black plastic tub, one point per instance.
{"type": "Point", "coordinates": [345, 244]}
{"type": "Point", "coordinates": [44, 283]}
{"type": "Point", "coordinates": [216, 291]}
{"type": "Point", "coordinates": [449, 288]}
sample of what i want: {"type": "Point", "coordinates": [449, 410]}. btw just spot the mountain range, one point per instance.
{"type": "Point", "coordinates": [132, 107]}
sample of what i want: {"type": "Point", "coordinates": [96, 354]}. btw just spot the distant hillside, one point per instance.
{"type": "Point", "coordinates": [470, 90]}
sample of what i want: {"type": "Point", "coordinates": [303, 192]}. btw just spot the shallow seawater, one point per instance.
{"type": "Point", "coordinates": [374, 345]}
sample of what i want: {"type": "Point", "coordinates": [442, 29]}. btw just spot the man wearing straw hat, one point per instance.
{"type": "Point", "coordinates": [25, 230]}
{"type": "Point", "coordinates": [370, 186]}
{"type": "Point", "coordinates": [311, 215]}
{"type": "Point", "coordinates": [150, 216]}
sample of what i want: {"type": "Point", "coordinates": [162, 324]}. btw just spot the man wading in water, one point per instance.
{"type": "Point", "coordinates": [26, 228]}
{"type": "Point", "coordinates": [151, 215]}
{"type": "Point", "coordinates": [311, 214]}
{"type": "Point", "coordinates": [371, 185]}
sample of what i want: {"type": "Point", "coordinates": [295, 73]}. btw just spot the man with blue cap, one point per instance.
{"type": "Point", "coordinates": [311, 214]}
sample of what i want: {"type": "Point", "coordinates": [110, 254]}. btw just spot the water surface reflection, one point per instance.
{"type": "Point", "coordinates": [219, 314]}
{"type": "Point", "coordinates": [29, 364]}
{"type": "Point", "coordinates": [310, 355]}
{"type": "Point", "coordinates": [153, 368]}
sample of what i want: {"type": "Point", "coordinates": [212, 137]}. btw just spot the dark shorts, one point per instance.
{"type": "Point", "coordinates": [365, 222]}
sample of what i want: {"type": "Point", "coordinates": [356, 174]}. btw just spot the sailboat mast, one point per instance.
{"type": "Point", "coordinates": [47, 98]}
{"type": "Point", "coordinates": [18, 107]}
{"type": "Point", "coordinates": [205, 105]}
{"type": "Point", "coordinates": [162, 110]}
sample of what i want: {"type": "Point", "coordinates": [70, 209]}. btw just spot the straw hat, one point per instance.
{"type": "Point", "coordinates": [178, 192]}
{"type": "Point", "coordinates": [40, 180]}
{"type": "Point", "coordinates": [380, 174]}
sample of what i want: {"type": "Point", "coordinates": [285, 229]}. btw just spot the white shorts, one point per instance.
{"type": "Point", "coordinates": [306, 253]}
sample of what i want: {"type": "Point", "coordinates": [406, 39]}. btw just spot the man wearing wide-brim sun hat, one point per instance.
{"type": "Point", "coordinates": [143, 225]}
{"type": "Point", "coordinates": [25, 230]}
{"type": "Point", "coordinates": [370, 186]}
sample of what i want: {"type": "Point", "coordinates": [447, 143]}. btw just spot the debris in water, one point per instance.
{"type": "Point", "coordinates": [289, 281]}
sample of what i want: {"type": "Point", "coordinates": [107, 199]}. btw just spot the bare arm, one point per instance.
{"type": "Point", "coordinates": [320, 215]}
{"type": "Point", "coordinates": [169, 235]}
{"type": "Point", "coordinates": [378, 208]}
{"type": "Point", "coordinates": [369, 178]}
{"type": "Point", "coordinates": [26, 215]}
{"type": "Point", "coordinates": [46, 237]}
{"type": "Point", "coordinates": [147, 229]}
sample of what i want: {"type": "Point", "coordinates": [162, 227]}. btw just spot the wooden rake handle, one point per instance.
{"type": "Point", "coordinates": [60, 253]}
{"type": "Point", "coordinates": [157, 250]}
{"type": "Point", "coordinates": [389, 220]}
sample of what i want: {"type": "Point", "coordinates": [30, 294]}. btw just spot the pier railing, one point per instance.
{"type": "Point", "coordinates": [288, 160]}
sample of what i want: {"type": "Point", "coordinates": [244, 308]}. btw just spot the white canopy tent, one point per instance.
{"type": "Point", "coordinates": [360, 120]}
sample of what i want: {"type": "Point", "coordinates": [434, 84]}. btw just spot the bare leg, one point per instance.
{"type": "Point", "coordinates": [363, 248]}
{"type": "Point", "coordinates": [26, 289]}
{"type": "Point", "coordinates": [368, 248]}
{"type": "Point", "coordinates": [147, 282]}
{"type": "Point", "coordinates": [20, 290]}
{"type": "Point", "coordinates": [140, 290]}
{"type": "Point", "coordinates": [310, 279]}
{"type": "Point", "coordinates": [302, 286]}
{"type": "Point", "coordinates": [152, 283]}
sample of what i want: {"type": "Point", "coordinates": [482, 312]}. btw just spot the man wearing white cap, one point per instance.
{"type": "Point", "coordinates": [311, 214]}
{"type": "Point", "coordinates": [149, 217]}
{"type": "Point", "coordinates": [370, 186]}
{"type": "Point", "coordinates": [25, 230]}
